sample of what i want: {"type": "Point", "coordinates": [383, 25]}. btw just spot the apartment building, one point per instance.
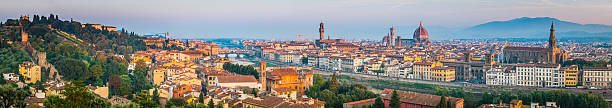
{"type": "Point", "coordinates": [540, 75]}
{"type": "Point", "coordinates": [597, 77]}
{"type": "Point", "coordinates": [505, 76]}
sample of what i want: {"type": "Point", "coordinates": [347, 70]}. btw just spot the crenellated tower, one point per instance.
{"type": "Point", "coordinates": [321, 31]}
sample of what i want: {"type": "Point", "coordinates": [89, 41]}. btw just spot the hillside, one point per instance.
{"type": "Point", "coordinates": [538, 27]}
{"type": "Point", "coordinates": [75, 51]}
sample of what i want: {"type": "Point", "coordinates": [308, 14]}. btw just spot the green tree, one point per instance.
{"type": "Point", "coordinates": [72, 69]}
{"type": "Point", "coordinates": [115, 83]}
{"type": "Point", "coordinates": [12, 97]}
{"type": "Point", "coordinates": [140, 77]}
{"type": "Point", "coordinates": [220, 105]}
{"type": "Point", "coordinates": [76, 95]}
{"type": "Point", "coordinates": [178, 102]}
{"type": "Point", "coordinates": [378, 103]}
{"type": "Point", "coordinates": [211, 104]}
{"type": "Point", "coordinates": [125, 89]}
{"type": "Point", "coordinates": [443, 103]}
{"type": "Point", "coordinates": [395, 100]}
{"type": "Point", "coordinates": [328, 96]}
{"type": "Point", "coordinates": [54, 101]}
{"type": "Point", "coordinates": [129, 105]}
{"type": "Point", "coordinates": [96, 71]}
{"type": "Point", "coordinates": [333, 86]}
{"type": "Point", "coordinates": [145, 100]}
{"type": "Point", "coordinates": [156, 96]}
{"type": "Point", "coordinates": [201, 98]}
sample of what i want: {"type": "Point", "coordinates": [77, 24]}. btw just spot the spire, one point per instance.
{"type": "Point", "coordinates": [552, 42]}
{"type": "Point", "coordinates": [420, 23]}
{"type": "Point", "coordinates": [552, 26]}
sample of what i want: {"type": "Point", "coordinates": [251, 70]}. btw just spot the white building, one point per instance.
{"type": "Point", "coordinates": [297, 58]}
{"type": "Point", "coordinates": [352, 64]}
{"type": "Point", "coordinates": [597, 77]}
{"type": "Point", "coordinates": [11, 77]}
{"type": "Point", "coordinates": [540, 75]}
{"type": "Point", "coordinates": [406, 72]}
{"type": "Point", "coordinates": [505, 76]}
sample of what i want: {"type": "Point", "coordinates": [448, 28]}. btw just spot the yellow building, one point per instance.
{"type": "Point", "coordinates": [54, 89]}
{"type": "Point", "coordinates": [174, 63]}
{"type": "Point", "coordinates": [30, 72]}
{"type": "Point", "coordinates": [434, 71]}
{"type": "Point", "coordinates": [100, 91]}
{"type": "Point", "coordinates": [176, 55]}
{"type": "Point", "coordinates": [285, 92]}
{"type": "Point", "coordinates": [218, 63]}
{"type": "Point", "coordinates": [285, 57]}
{"type": "Point", "coordinates": [516, 104]}
{"type": "Point", "coordinates": [288, 77]}
{"type": "Point", "coordinates": [410, 58]}
{"type": "Point", "coordinates": [444, 74]}
{"type": "Point", "coordinates": [190, 81]}
{"type": "Point", "coordinates": [96, 26]}
{"type": "Point", "coordinates": [159, 42]}
{"type": "Point", "coordinates": [159, 76]}
{"type": "Point", "coordinates": [571, 75]}
{"type": "Point", "coordinates": [163, 92]}
{"type": "Point", "coordinates": [146, 58]}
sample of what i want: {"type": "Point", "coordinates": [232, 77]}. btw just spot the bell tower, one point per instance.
{"type": "Point", "coordinates": [262, 75]}
{"type": "Point", "coordinates": [552, 42]}
{"type": "Point", "coordinates": [321, 31]}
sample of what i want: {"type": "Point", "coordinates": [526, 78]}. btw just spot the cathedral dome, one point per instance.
{"type": "Point", "coordinates": [421, 31]}
{"type": "Point", "coordinates": [421, 35]}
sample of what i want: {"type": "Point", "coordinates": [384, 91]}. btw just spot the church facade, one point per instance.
{"type": "Point", "coordinates": [549, 55]}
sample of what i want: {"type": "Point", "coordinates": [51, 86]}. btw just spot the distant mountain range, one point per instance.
{"type": "Point", "coordinates": [538, 27]}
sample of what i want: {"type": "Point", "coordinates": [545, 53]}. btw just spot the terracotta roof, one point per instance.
{"type": "Point", "coordinates": [267, 102]}
{"type": "Point", "coordinates": [417, 98]}
{"type": "Point", "coordinates": [284, 72]}
{"type": "Point", "coordinates": [292, 105]}
{"type": "Point", "coordinates": [283, 89]}
{"type": "Point", "coordinates": [236, 79]}
{"type": "Point", "coordinates": [597, 68]}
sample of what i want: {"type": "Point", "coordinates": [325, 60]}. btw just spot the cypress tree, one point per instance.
{"type": "Point", "coordinates": [333, 86]}
{"type": "Point", "coordinates": [395, 100]}
{"type": "Point", "coordinates": [201, 98]}
{"type": "Point", "coordinates": [378, 103]}
{"type": "Point", "coordinates": [211, 104]}
{"type": "Point", "coordinates": [156, 96]}
{"type": "Point", "coordinates": [443, 103]}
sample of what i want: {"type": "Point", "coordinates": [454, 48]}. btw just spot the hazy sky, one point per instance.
{"type": "Point", "coordinates": [283, 19]}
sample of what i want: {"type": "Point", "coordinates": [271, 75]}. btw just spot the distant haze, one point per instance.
{"type": "Point", "coordinates": [283, 19]}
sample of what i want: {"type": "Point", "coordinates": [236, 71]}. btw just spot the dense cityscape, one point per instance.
{"type": "Point", "coordinates": [58, 62]}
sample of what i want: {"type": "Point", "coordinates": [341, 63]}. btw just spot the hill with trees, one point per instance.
{"type": "Point", "coordinates": [85, 54]}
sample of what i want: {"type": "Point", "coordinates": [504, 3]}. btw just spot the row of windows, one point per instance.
{"type": "Point", "coordinates": [539, 74]}
{"type": "Point", "coordinates": [597, 74]}
{"type": "Point", "coordinates": [598, 79]}
{"type": "Point", "coordinates": [540, 83]}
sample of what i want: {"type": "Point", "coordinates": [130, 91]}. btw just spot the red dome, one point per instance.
{"type": "Point", "coordinates": [420, 31]}
{"type": "Point", "coordinates": [420, 34]}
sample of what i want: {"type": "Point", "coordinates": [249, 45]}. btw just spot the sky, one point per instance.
{"type": "Point", "coordinates": [283, 19]}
